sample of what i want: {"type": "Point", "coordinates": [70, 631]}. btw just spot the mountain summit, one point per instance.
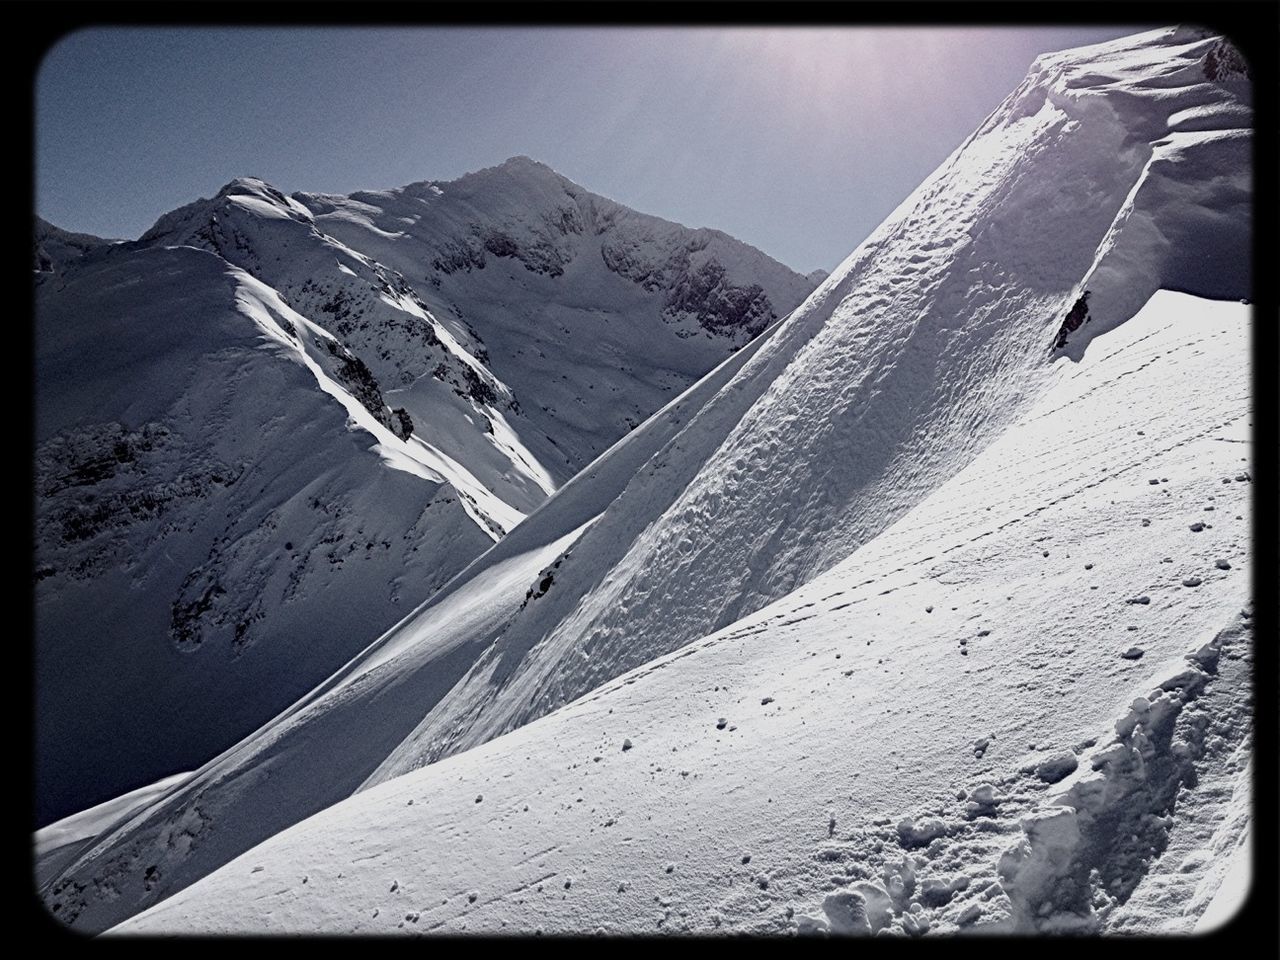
{"type": "Point", "coordinates": [596, 314]}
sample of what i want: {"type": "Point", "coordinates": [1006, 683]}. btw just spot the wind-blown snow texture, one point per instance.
{"type": "Point", "coordinates": [905, 619]}
{"type": "Point", "coordinates": [212, 541]}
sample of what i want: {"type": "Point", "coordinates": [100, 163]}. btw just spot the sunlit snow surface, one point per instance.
{"type": "Point", "coordinates": [997, 612]}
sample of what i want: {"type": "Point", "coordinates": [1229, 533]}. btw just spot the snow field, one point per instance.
{"type": "Point", "coordinates": [842, 704]}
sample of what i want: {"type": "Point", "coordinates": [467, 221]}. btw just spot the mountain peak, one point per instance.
{"type": "Point", "coordinates": [519, 166]}
{"type": "Point", "coordinates": [253, 187]}
{"type": "Point", "coordinates": [522, 162]}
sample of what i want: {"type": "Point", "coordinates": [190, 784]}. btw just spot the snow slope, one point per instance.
{"type": "Point", "coordinates": [271, 779]}
{"type": "Point", "coordinates": [378, 318]}
{"type": "Point", "coordinates": [915, 397]}
{"type": "Point", "coordinates": [919, 351]}
{"type": "Point", "coordinates": [883, 736]}
{"type": "Point", "coordinates": [211, 545]}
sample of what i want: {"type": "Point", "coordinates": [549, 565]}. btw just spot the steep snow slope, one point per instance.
{"type": "Point", "coordinates": [904, 364]}
{"type": "Point", "coordinates": [219, 522]}
{"type": "Point", "coordinates": [924, 347]}
{"type": "Point", "coordinates": [273, 778]}
{"type": "Point", "coordinates": [594, 313]}
{"type": "Point", "coordinates": [1022, 707]}
{"type": "Point", "coordinates": [457, 411]}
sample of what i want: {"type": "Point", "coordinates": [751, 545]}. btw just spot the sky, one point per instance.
{"type": "Point", "coordinates": [797, 140]}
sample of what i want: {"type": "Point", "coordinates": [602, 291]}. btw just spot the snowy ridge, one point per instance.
{"type": "Point", "coordinates": [54, 247]}
{"type": "Point", "coordinates": [633, 652]}
{"type": "Point", "coordinates": [904, 364]}
{"type": "Point", "coordinates": [395, 341]}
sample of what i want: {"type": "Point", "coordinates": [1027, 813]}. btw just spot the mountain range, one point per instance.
{"type": "Point", "coordinates": [923, 608]}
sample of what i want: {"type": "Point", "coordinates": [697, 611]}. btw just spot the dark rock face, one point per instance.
{"type": "Point", "coordinates": [545, 580]}
{"type": "Point", "coordinates": [468, 252]}
{"type": "Point", "coordinates": [500, 245]}
{"type": "Point", "coordinates": [460, 255]}
{"type": "Point", "coordinates": [96, 482]}
{"type": "Point", "coordinates": [718, 306]}
{"type": "Point", "coordinates": [355, 375]}
{"type": "Point", "coordinates": [185, 624]}
{"type": "Point", "coordinates": [1224, 62]}
{"type": "Point", "coordinates": [1074, 320]}
{"type": "Point", "coordinates": [402, 426]}
{"type": "Point", "coordinates": [702, 292]}
{"type": "Point", "coordinates": [87, 457]}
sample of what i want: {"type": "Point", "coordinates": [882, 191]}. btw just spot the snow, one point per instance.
{"type": "Point", "coordinates": [55, 248]}
{"type": "Point", "coordinates": [317, 550]}
{"type": "Point", "coordinates": [918, 352]}
{"type": "Point", "coordinates": [197, 538]}
{"type": "Point", "coordinates": [61, 842]}
{"type": "Point", "coordinates": [1233, 889]}
{"type": "Point", "coordinates": [863, 711]}
{"type": "Point", "coordinates": [840, 640]}
{"type": "Point", "coordinates": [572, 306]}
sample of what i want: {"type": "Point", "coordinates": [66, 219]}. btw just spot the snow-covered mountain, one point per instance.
{"type": "Point", "coordinates": [597, 313]}
{"type": "Point", "coordinates": [926, 610]}
{"type": "Point", "coordinates": [218, 515]}
{"type": "Point", "coordinates": [205, 513]}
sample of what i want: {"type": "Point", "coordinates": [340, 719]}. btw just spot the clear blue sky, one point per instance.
{"type": "Point", "coordinates": [797, 140]}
